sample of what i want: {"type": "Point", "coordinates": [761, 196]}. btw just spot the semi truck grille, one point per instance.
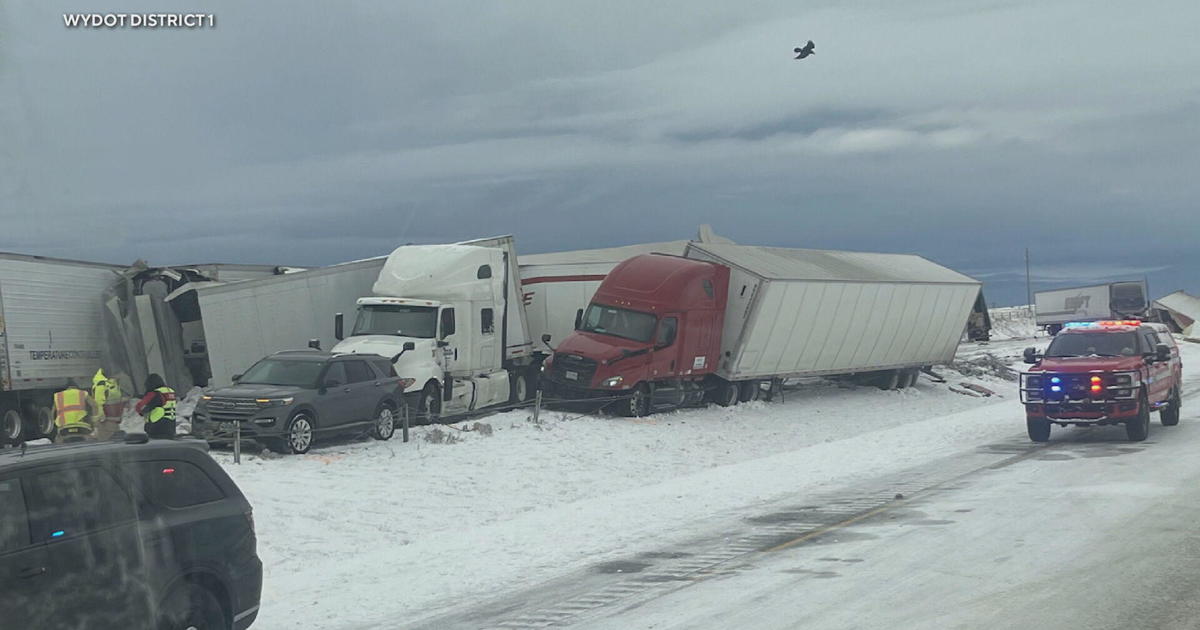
{"type": "Point", "coordinates": [573, 369]}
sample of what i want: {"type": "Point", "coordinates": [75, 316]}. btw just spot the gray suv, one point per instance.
{"type": "Point", "coordinates": [289, 399]}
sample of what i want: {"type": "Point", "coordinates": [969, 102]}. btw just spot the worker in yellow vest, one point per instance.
{"type": "Point", "coordinates": [158, 408]}
{"type": "Point", "coordinates": [74, 413]}
{"type": "Point", "coordinates": [106, 391]}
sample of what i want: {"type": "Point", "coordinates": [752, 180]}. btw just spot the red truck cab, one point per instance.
{"type": "Point", "coordinates": [1100, 373]}
{"type": "Point", "coordinates": [650, 336]}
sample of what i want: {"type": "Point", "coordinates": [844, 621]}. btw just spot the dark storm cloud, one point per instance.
{"type": "Point", "coordinates": [312, 134]}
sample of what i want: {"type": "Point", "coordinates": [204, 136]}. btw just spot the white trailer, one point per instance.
{"type": "Point", "coordinates": [245, 321]}
{"type": "Point", "coordinates": [803, 312]}
{"type": "Point", "coordinates": [1113, 300]}
{"type": "Point", "coordinates": [50, 331]}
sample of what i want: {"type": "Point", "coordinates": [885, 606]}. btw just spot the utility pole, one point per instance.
{"type": "Point", "coordinates": [1028, 283]}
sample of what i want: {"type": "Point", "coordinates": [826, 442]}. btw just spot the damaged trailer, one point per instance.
{"type": "Point", "coordinates": [49, 333]}
{"type": "Point", "coordinates": [153, 322]}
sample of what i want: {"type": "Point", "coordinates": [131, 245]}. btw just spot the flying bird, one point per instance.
{"type": "Point", "coordinates": [806, 51]}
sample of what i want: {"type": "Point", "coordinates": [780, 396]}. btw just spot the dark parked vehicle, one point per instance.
{"type": "Point", "coordinates": [120, 535]}
{"type": "Point", "coordinates": [290, 398]}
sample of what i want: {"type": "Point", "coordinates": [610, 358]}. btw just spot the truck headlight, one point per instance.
{"type": "Point", "coordinates": [1031, 381]}
{"type": "Point", "coordinates": [614, 381]}
{"type": "Point", "coordinates": [1125, 379]}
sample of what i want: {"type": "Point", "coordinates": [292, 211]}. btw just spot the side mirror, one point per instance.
{"type": "Point", "coordinates": [331, 383]}
{"type": "Point", "coordinates": [1031, 356]}
{"type": "Point", "coordinates": [578, 319]}
{"type": "Point", "coordinates": [236, 378]}
{"type": "Point", "coordinates": [339, 326]}
{"type": "Point", "coordinates": [315, 344]}
{"type": "Point", "coordinates": [546, 339]}
{"type": "Point", "coordinates": [442, 343]}
{"type": "Point", "coordinates": [408, 345]}
{"type": "Point", "coordinates": [1162, 352]}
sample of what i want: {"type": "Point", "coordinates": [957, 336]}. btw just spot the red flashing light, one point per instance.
{"type": "Point", "coordinates": [1119, 322]}
{"type": "Point", "coordinates": [168, 471]}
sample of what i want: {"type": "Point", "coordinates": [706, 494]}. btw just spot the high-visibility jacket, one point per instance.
{"type": "Point", "coordinates": [166, 409]}
{"type": "Point", "coordinates": [104, 389]}
{"type": "Point", "coordinates": [72, 409]}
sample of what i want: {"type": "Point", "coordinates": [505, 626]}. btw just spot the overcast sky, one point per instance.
{"type": "Point", "coordinates": [309, 133]}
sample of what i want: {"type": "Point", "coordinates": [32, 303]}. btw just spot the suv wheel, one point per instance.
{"type": "Point", "coordinates": [11, 426]}
{"type": "Point", "coordinates": [192, 608]}
{"type": "Point", "coordinates": [1169, 416]}
{"type": "Point", "coordinates": [1138, 429]}
{"type": "Point", "coordinates": [385, 423]}
{"type": "Point", "coordinates": [299, 436]}
{"type": "Point", "coordinates": [430, 406]}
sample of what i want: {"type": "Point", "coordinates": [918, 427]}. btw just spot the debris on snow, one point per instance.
{"type": "Point", "coordinates": [985, 365]}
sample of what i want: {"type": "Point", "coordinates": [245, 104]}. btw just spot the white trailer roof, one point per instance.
{"type": "Point", "coordinates": [603, 255]}
{"type": "Point", "coordinates": [778, 263]}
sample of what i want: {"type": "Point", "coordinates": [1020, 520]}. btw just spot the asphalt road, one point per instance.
{"type": "Point", "coordinates": [1091, 531]}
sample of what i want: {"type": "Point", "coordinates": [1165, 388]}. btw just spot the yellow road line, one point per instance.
{"type": "Point", "coordinates": [835, 526]}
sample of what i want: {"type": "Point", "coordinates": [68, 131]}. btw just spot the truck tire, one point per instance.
{"type": "Point", "coordinates": [638, 403]}
{"type": "Point", "coordinates": [1169, 416]}
{"type": "Point", "coordinates": [726, 393]}
{"type": "Point", "coordinates": [12, 426]}
{"type": "Point", "coordinates": [1038, 429]}
{"type": "Point", "coordinates": [39, 421]}
{"type": "Point", "coordinates": [1138, 429]}
{"type": "Point", "coordinates": [889, 379]}
{"type": "Point", "coordinates": [518, 387]}
{"type": "Point", "coordinates": [429, 408]}
{"type": "Point", "coordinates": [747, 391]}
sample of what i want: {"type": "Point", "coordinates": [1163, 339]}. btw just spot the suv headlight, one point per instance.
{"type": "Point", "coordinates": [614, 381]}
{"type": "Point", "coordinates": [274, 402]}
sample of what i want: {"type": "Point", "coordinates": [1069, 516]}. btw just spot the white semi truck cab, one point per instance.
{"type": "Point", "coordinates": [452, 320]}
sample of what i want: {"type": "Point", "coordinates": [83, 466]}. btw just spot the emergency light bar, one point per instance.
{"type": "Point", "coordinates": [1108, 323]}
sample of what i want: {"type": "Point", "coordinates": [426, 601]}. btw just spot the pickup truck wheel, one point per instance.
{"type": "Point", "coordinates": [12, 428]}
{"type": "Point", "coordinates": [385, 423]}
{"type": "Point", "coordinates": [429, 408]}
{"type": "Point", "coordinates": [1169, 416]}
{"type": "Point", "coordinates": [1138, 429]}
{"type": "Point", "coordinates": [1038, 428]}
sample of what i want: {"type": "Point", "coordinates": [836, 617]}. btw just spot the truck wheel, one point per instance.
{"type": "Point", "coordinates": [638, 403]}
{"type": "Point", "coordinates": [40, 420]}
{"type": "Point", "coordinates": [11, 425]}
{"type": "Point", "coordinates": [1038, 428]}
{"type": "Point", "coordinates": [1138, 429]}
{"type": "Point", "coordinates": [889, 379]}
{"type": "Point", "coordinates": [726, 394]}
{"type": "Point", "coordinates": [518, 387]}
{"type": "Point", "coordinates": [1169, 416]}
{"type": "Point", "coordinates": [429, 408]}
{"type": "Point", "coordinates": [747, 391]}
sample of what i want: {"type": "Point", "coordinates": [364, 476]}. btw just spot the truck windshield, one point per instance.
{"type": "Point", "coordinates": [281, 372]}
{"type": "Point", "coordinates": [618, 322]}
{"type": "Point", "coordinates": [1109, 344]}
{"type": "Point", "coordinates": [396, 319]}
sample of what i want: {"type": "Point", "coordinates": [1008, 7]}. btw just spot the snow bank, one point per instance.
{"type": "Point", "coordinates": [1013, 322]}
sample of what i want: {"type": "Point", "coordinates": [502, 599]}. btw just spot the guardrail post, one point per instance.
{"type": "Point", "coordinates": [537, 405]}
{"type": "Point", "coordinates": [404, 422]}
{"type": "Point", "coordinates": [237, 442]}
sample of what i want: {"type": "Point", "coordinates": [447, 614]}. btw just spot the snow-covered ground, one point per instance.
{"type": "Point", "coordinates": [1013, 322]}
{"type": "Point", "coordinates": [366, 532]}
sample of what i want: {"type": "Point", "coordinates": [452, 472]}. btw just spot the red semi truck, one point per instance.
{"type": "Point", "coordinates": [724, 320]}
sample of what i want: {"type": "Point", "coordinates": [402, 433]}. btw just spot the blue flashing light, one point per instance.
{"type": "Point", "coordinates": [1055, 380]}
{"type": "Point", "coordinates": [58, 533]}
{"type": "Point", "coordinates": [1055, 388]}
{"type": "Point", "coordinates": [1078, 325]}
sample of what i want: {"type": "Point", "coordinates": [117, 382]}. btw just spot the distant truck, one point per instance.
{"type": "Point", "coordinates": [1111, 301]}
{"type": "Point", "coordinates": [722, 321]}
{"type": "Point", "coordinates": [50, 331]}
{"type": "Point", "coordinates": [452, 319]}
{"type": "Point", "coordinates": [1104, 372]}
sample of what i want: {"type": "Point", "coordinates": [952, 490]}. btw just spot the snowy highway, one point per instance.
{"type": "Point", "coordinates": [764, 515]}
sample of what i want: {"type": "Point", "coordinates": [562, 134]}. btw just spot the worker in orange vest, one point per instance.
{"type": "Point", "coordinates": [74, 413]}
